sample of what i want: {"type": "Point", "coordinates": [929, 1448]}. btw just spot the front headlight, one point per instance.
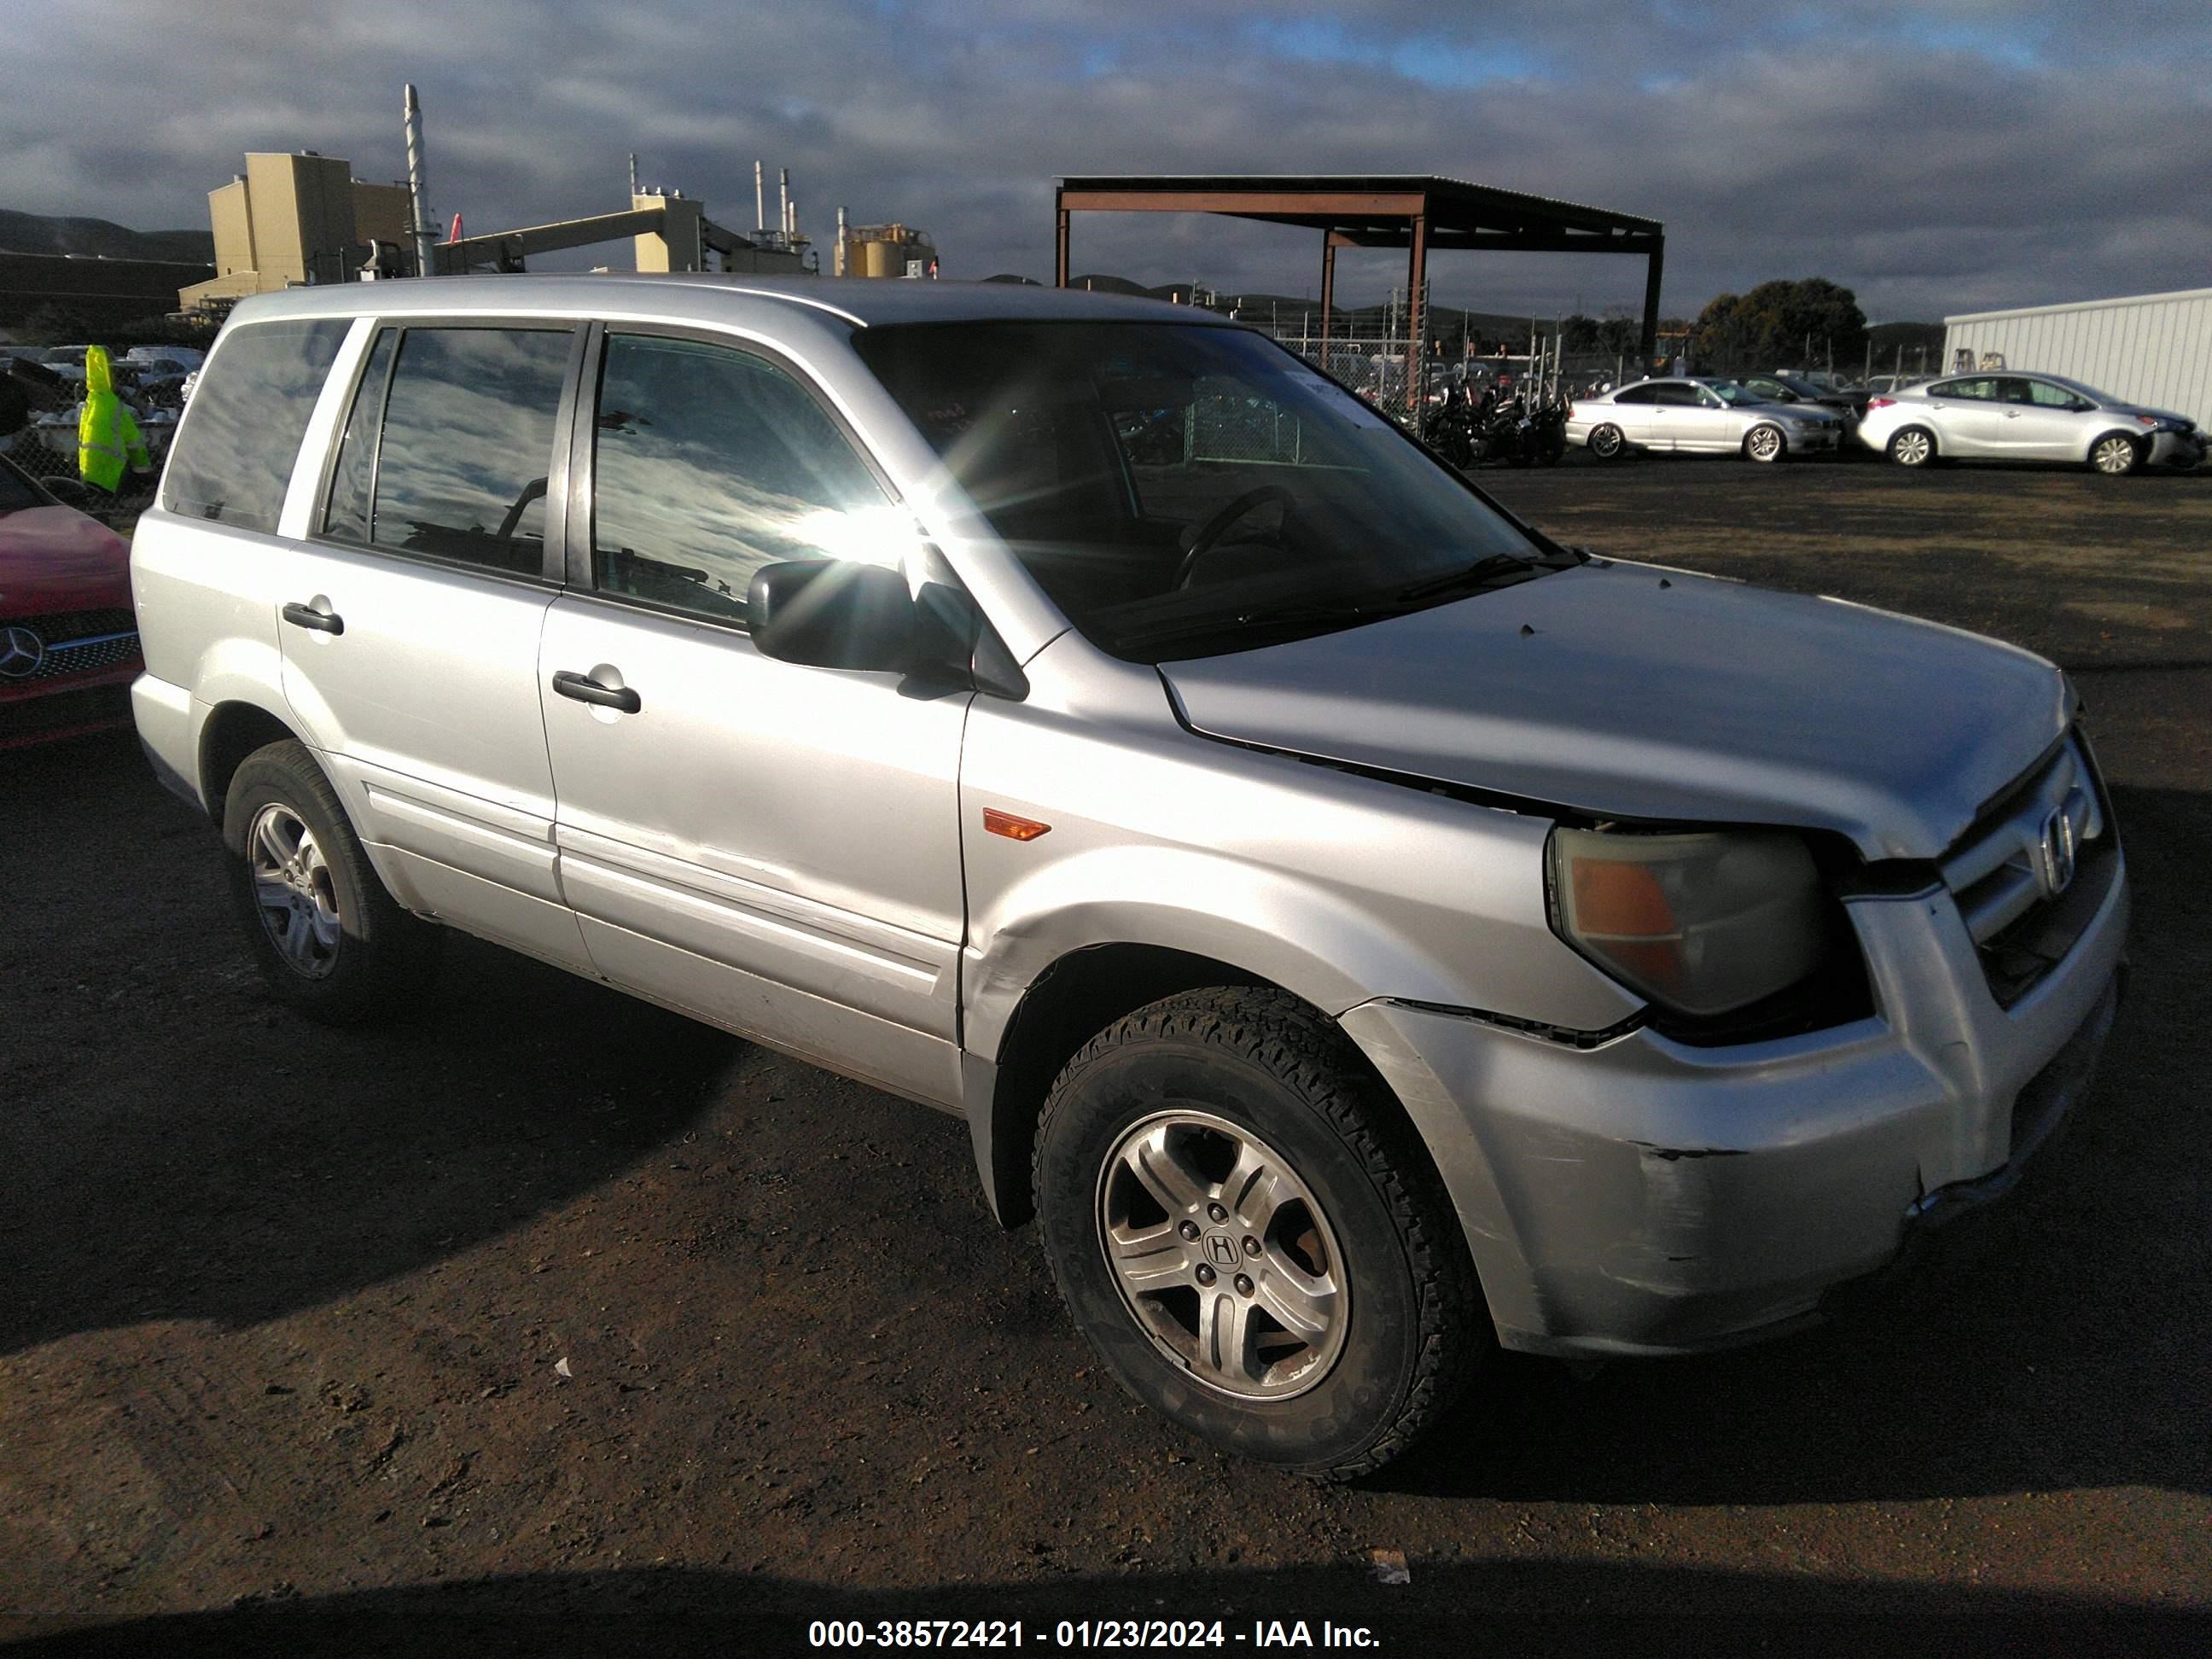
{"type": "Point", "coordinates": [1704, 923]}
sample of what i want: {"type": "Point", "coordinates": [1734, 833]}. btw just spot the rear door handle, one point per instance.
{"type": "Point", "coordinates": [584, 688]}
{"type": "Point", "coordinates": [323, 622]}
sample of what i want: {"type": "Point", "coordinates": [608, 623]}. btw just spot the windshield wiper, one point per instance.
{"type": "Point", "coordinates": [1288, 613]}
{"type": "Point", "coordinates": [1478, 575]}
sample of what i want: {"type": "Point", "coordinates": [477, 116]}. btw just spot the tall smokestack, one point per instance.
{"type": "Point", "coordinates": [633, 172]}
{"type": "Point", "coordinates": [426, 235]}
{"type": "Point", "coordinates": [759, 201]}
{"type": "Point", "coordinates": [784, 184]}
{"type": "Point", "coordinates": [837, 267]}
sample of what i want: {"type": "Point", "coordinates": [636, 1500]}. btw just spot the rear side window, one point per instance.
{"type": "Point", "coordinates": [459, 465]}
{"type": "Point", "coordinates": [241, 433]}
{"type": "Point", "coordinates": [1638, 394]}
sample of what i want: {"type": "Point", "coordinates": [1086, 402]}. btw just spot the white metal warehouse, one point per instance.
{"type": "Point", "coordinates": [2154, 349]}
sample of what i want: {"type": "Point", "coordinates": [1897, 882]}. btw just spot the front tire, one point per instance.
{"type": "Point", "coordinates": [329, 941]}
{"type": "Point", "coordinates": [1252, 1238]}
{"type": "Point", "coordinates": [1606, 442]}
{"type": "Point", "coordinates": [2116, 454]}
{"type": "Point", "coordinates": [1765, 443]}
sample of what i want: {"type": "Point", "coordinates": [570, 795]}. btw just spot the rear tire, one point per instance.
{"type": "Point", "coordinates": [2116, 454]}
{"type": "Point", "coordinates": [1912, 446]}
{"type": "Point", "coordinates": [1606, 443]}
{"type": "Point", "coordinates": [329, 940]}
{"type": "Point", "coordinates": [1251, 1237]}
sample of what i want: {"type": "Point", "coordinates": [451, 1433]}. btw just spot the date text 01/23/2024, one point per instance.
{"type": "Point", "coordinates": [1126, 1634]}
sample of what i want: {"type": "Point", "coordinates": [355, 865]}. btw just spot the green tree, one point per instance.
{"type": "Point", "coordinates": [1810, 318]}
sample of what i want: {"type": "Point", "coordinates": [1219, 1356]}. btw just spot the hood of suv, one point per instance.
{"type": "Point", "coordinates": [1626, 690]}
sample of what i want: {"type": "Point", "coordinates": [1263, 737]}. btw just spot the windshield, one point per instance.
{"type": "Point", "coordinates": [1182, 489]}
{"type": "Point", "coordinates": [18, 492]}
{"type": "Point", "coordinates": [1730, 394]}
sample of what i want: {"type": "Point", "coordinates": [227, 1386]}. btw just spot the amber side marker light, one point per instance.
{"type": "Point", "coordinates": [1014, 829]}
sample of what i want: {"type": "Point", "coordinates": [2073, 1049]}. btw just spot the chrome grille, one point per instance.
{"type": "Point", "coordinates": [76, 642]}
{"type": "Point", "coordinates": [2011, 873]}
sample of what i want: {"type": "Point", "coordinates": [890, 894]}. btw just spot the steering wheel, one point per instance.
{"type": "Point", "coordinates": [1208, 535]}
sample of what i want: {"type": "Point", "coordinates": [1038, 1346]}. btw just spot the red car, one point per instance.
{"type": "Point", "coordinates": [69, 639]}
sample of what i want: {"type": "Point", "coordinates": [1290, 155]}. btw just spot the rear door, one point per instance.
{"type": "Point", "coordinates": [1966, 415]}
{"type": "Point", "coordinates": [411, 619]}
{"type": "Point", "coordinates": [773, 848]}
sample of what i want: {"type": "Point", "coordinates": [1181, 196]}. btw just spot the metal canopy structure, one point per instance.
{"type": "Point", "coordinates": [1419, 213]}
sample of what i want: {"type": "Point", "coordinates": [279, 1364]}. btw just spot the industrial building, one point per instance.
{"type": "Point", "coordinates": [2152, 348]}
{"type": "Point", "coordinates": [884, 251]}
{"type": "Point", "coordinates": [292, 218]}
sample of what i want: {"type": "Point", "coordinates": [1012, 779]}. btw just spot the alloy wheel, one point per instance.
{"type": "Point", "coordinates": [294, 892]}
{"type": "Point", "coordinates": [1765, 443]}
{"type": "Point", "coordinates": [1911, 448]}
{"type": "Point", "coordinates": [2113, 456]}
{"type": "Point", "coordinates": [1223, 1256]}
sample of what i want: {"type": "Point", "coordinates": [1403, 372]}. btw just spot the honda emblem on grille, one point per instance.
{"type": "Point", "coordinates": [21, 651]}
{"type": "Point", "coordinates": [2057, 862]}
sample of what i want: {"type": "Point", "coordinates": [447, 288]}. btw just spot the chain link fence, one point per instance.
{"type": "Point", "coordinates": [46, 449]}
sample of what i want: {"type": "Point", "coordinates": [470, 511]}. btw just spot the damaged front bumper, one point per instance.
{"type": "Point", "coordinates": [1645, 1196]}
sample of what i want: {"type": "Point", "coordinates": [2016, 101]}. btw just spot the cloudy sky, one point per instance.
{"type": "Point", "coordinates": [1944, 156]}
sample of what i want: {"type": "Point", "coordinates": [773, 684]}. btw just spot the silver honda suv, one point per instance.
{"type": "Point", "coordinates": [1364, 933]}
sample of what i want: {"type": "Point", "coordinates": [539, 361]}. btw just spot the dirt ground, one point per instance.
{"type": "Point", "coordinates": [551, 1322]}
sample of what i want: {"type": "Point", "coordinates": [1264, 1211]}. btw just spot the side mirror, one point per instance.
{"type": "Point", "coordinates": [834, 613]}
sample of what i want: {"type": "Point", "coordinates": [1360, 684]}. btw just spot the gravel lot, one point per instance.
{"type": "Point", "coordinates": [278, 1350]}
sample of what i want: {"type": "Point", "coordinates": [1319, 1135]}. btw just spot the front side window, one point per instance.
{"type": "Point", "coordinates": [1678, 394]}
{"type": "Point", "coordinates": [466, 446]}
{"type": "Point", "coordinates": [2044, 395]}
{"type": "Point", "coordinates": [234, 454]}
{"type": "Point", "coordinates": [709, 463]}
{"type": "Point", "coordinates": [1184, 489]}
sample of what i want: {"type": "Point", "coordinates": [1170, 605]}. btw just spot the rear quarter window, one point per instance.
{"type": "Point", "coordinates": [241, 433]}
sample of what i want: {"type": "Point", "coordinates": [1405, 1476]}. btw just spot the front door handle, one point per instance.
{"type": "Point", "coordinates": [584, 688]}
{"type": "Point", "coordinates": [323, 622]}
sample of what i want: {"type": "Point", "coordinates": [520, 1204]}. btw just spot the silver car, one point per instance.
{"type": "Point", "coordinates": [2008, 416]}
{"type": "Point", "coordinates": [1700, 415]}
{"type": "Point", "coordinates": [1364, 933]}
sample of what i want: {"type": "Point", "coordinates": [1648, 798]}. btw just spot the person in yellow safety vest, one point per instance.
{"type": "Point", "coordinates": [106, 433]}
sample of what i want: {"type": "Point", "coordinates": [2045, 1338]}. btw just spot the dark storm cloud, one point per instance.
{"type": "Point", "coordinates": [1939, 157]}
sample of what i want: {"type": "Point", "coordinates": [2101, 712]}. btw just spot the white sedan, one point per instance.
{"type": "Point", "coordinates": [2006, 416]}
{"type": "Point", "coordinates": [1705, 414]}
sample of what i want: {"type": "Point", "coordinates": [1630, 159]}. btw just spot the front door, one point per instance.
{"type": "Point", "coordinates": [2054, 423]}
{"type": "Point", "coordinates": [773, 848]}
{"type": "Point", "coordinates": [410, 624]}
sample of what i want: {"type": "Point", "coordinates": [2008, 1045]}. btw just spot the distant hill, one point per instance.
{"type": "Point", "coordinates": [39, 232]}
